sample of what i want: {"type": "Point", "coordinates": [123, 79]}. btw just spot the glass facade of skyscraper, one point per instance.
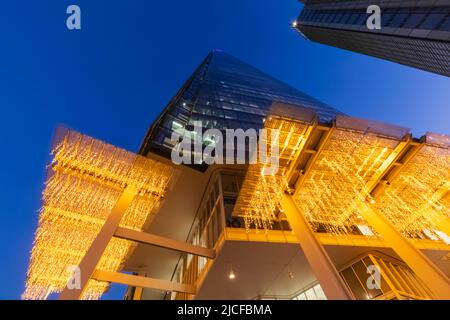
{"type": "Point", "coordinates": [226, 93]}
{"type": "Point", "coordinates": [415, 33]}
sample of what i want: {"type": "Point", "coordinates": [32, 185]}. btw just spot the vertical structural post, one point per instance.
{"type": "Point", "coordinates": [435, 279]}
{"type": "Point", "coordinates": [137, 293]}
{"type": "Point", "coordinates": [442, 223]}
{"type": "Point", "coordinates": [440, 220]}
{"type": "Point", "coordinates": [98, 246]}
{"type": "Point", "coordinates": [222, 218]}
{"type": "Point", "coordinates": [331, 282]}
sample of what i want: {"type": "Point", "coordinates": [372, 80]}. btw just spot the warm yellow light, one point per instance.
{"type": "Point", "coordinates": [259, 203]}
{"type": "Point", "coordinates": [412, 202]}
{"type": "Point", "coordinates": [336, 184]}
{"type": "Point", "coordinates": [86, 178]}
{"type": "Point", "coordinates": [231, 274]}
{"type": "Point", "coordinates": [336, 181]}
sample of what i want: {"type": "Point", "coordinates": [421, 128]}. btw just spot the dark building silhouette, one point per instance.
{"type": "Point", "coordinates": [413, 33]}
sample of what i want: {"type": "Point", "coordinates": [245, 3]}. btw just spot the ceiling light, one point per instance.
{"type": "Point", "coordinates": [231, 274]}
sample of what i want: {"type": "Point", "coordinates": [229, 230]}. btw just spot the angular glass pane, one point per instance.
{"type": "Point", "coordinates": [354, 284]}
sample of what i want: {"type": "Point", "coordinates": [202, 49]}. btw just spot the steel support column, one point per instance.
{"type": "Point", "coordinates": [90, 260]}
{"type": "Point", "coordinates": [434, 278]}
{"type": "Point", "coordinates": [331, 282]}
{"type": "Point", "coordinates": [143, 282]}
{"type": "Point", "coordinates": [163, 242]}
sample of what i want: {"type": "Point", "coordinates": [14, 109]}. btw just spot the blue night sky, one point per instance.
{"type": "Point", "coordinates": [113, 77]}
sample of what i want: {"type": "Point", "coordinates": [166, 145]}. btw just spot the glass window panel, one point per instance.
{"type": "Point", "coordinates": [216, 187]}
{"type": "Point", "coordinates": [323, 17]}
{"type": "Point", "coordinates": [338, 17]}
{"type": "Point", "coordinates": [310, 294]}
{"type": "Point", "coordinates": [215, 225]}
{"type": "Point", "coordinates": [361, 271]}
{"type": "Point", "coordinates": [301, 296]}
{"type": "Point", "coordinates": [396, 281]}
{"type": "Point", "coordinates": [240, 181]}
{"type": "Point", "coordinates": [362, 19]}
{"type": "Point", "coordinates": [331, 17]}
{"type": "Point", "coordinates": [210, 234]}
{"type": "Point", "coordinates": [228, 184]}
{"type": "Point", "coordinates": [354, 284]}
{"type": "Point", "coordinates": [229, 203]}
{"type": "Point", "coordinates": [384, 285]}
{"type": "Point", "coordinates": [345, 18]}
{"type": "Point", "coordinates": [445, 26]}
{"type": "Point", "coordinates": [365, 278]}
{"type": "Point", "coordinates": [385, 18]}
{"type": "Point", "coordinates": [319, 293]}
{"type": "Point", "coordinates": [398, 20]}
{"type": "Point", "coordinates": [353, 18]}
{"type": "Point", "coordinates": [210, 205]}
{"type": "Point", "coordinates": [414, 20]}
{"type": "Point", "coordinates": [412, 284]}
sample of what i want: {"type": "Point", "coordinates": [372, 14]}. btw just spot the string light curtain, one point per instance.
{"type": "Point", "coordinates": [339, 181]}
{"type": "Point", "coordinates": [260, 197]}
{"type": "Point", "coordinates": [416, 198]}
{"type": "Point", "coordinates": [335, 184]}
{"type": "Point", "coordinates": [85, 179]}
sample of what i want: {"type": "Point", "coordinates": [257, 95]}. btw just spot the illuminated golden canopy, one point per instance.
{"type": "Point", "coordinates": [264, 191]}
{"type": "Point", "coordinates": [331, 171]}
{"type": "Point", "coordinates": [417, 197]}
{"type": "Point", "coordinates": [85, 180]}
{"type": "Point", "coordinates": [260, 196]}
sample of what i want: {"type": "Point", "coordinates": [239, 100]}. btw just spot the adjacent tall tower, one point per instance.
{"type": "Point", "coordinates": [413, 33]}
